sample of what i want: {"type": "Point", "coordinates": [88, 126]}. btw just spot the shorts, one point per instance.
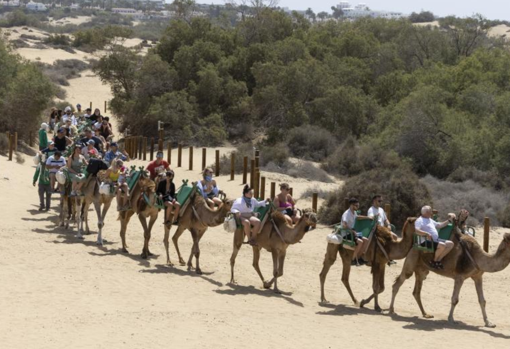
{"type": "Point", "coordinates": [430, 244]}
{"type": "Point", "coordinates": [289, 212]}
{"type": "Point", "coordinates": [167, 198]}
{"type": "Point", "coordinates": [349, 236]}
{"type": "Point", "coordinates": [77, 178]}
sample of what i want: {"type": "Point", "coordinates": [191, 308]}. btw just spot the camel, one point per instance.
{"type": "Point", "coordinates": [143, 210]}
{"type": "Point", "coordinates": [394, 249]}
{"type": "Point", "coordinates": [274, 241]}
{"type": "Point", "coordinates": [67, 207]}
{"type": "Point", "coordinates": [92, 196]}
{"type": "Point", "coordinates": [466, 260]}
{"type": "Point", "coordinates": [196, 218]}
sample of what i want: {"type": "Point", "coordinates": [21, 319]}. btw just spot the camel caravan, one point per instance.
{"type": "Point", "coordinates": [84, 165]}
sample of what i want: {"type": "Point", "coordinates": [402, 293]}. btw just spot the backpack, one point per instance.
{"type": "Point", "coordinates": [96, 165]}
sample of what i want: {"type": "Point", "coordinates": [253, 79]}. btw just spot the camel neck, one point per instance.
{"type": "Point", "coordinates": [492, 263]}
{"type": "Point", "coordinates": [400, 248]}
{"type": "Point", "coordinates": [295, 234]}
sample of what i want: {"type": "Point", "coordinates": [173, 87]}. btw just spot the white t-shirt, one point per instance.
{"type": "Point", "coordinates": [373, 211]}
{"type": "Point", "coordinates": [349, 217]}
{"type": "Point", "coordinates": [240, 206]}
{"type": "Point", "coordinates": [52, 162]}
{"type": "Point", "coordinates": [427, 225]}
{"type": "Point", "coordinates": [72, 117]}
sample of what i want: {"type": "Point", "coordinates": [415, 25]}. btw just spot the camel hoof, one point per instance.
{"type": "Point", "coordinates": [391, 311]}
{"type": "Point", "coordinates": [490, 324]}
{"type": "Point", "coordinates": [428, 316]}
{"type": "Point", "coordinates": [362, 304]}
{"type": "Point", "coordinates": [170, 264]}
{"type": "Point", "coordinates": [277, 291]}
{"type": "Point", "coordinates": [144, 255]}
{"type": "Point", "coordinates": [182, 262]}
{"type": "Point", "coordinates": [124, 250]}
{"type": "Point", "coordinates": [267, 285]}
{"type": "Point", "coordinates": [378, 309]}
{"type": "Point", "coordinates": [233, 282]}
{"type": "Point", "coordinates": [99, 243]}
{"type": "Point", "coordinates": [324, 301]}
{"type": "Point", "coordinates": [199, 271]}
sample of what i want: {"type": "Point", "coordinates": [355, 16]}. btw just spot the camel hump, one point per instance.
{"type": "Point", "coordinates": [411, 220]}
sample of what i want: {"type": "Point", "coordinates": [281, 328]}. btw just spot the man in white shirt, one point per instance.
{"type": "Point", "coordinates": [348, 220]}
{"type": "Point", "coordinates": [53, 164]}
{"type": "Point", "coordinates": [426, 228]}
{"type": "Point", "coordinates": [69, 115]}
{"type": "Point", "coordinates": [382, 219]}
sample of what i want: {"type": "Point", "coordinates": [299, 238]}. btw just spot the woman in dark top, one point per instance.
{"type": "Point", "coordinates": [166, 191]}
{"type": "Point", "coordinates": [105, 130]}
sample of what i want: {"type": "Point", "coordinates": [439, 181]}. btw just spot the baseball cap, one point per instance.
{"type": "Point", "coordinates": [67, 109]}
{"type": "Point", "coordinates": [159, 154]}
{"type": "Point", "coordinates": [91, 141]}
{"type": "Point", "coordinates": [113, 145]}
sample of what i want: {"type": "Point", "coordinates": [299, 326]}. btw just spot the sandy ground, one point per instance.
{"type": "Point", "coordinates": [70, 20]}
{"type": "Point", "coordinates": [500, 31]}
{"type": "Point", "coordinates": [60, 292]}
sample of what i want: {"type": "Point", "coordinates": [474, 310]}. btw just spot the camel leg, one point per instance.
{"type": "Point", "coordinates": [124, 220]}
{"type": "Point", "coordinates": [196, 251]}
{"type": "Point", "coordinates": [256, 258]}
{"type": "Point", "coordinates": [194, 236]}
{"type": "Point", "coordinates": [407, 271]}
{"type": "Point", "coordinates": [175, 240]}
{"type": "Point", "coordinates": [420, 276]}
{"type": "Point", "coordinates": [100, 223]}
{"type": "Point", "coordinates": [145, 250]}
{"type": "Point", "coordinates": [238, 242]}
{"type": "Point", "coordinates": [153, 219]}
{"type": "Point", "coordinates": [276, 260]}
{"type": "Point", "coordinates": [85, 210]}
{"type": "Point", "coordinates": [97, 208]}
{"type": "Point", "coordinates": [329, 260]}
{"type": "Point", "coordinates": [346, 256]}
{"type": "Point", "coordinates": [481, 299]}
{"type": "Point", "coordinates": [167, 245]}
{"type": "Point", "coordinates": [82, 215]}
{"type": "Point", "coordinates": [378, 270]}
{"type": "Point", "coordinates": [455, 297]}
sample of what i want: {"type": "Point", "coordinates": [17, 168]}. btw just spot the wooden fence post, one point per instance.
{"type": "Point", "coordinates": [179, 155]}
{"type": "Point", "coordinates": [160, 144]}
{"type": "Point", "coordinates": [273, 190]}
{"type": "Point", "coordinates": [15, 141]}
{"type": "Point", "coordinates": [256, 183]}
{"type": "Point", "coordinates": [257, 158]}
{"type": "Point", "coordinates": [204, 158]}
{"type": "Point", "coordinates": [262, 189]}
{"type": "Point", "coordinates": [387, 210]}
{"type": "Point", "coordinates": [135, 144]}
{"type": "Point", "coordinates": [217, 167]}
{"type": "Point", "coordinates": [232, 166]}
{"type": "Point", "coordinates": [144, 148]}
{"type": "Point", "coordinates": [486, 228]}
{"type": "Point", "coordinates": [105, 106]}
{"type": "Point", "coordinates": [169, 152]}
{"type": "Point", "coordinates": [245, 169]}
{"type": "Point", "coordinates": [152, 149]}
{"type": "Point", "coordinates": [126, 146]}
{"type": "Point", "coordinates": [91, 107]}
{"type": "Point", "coordinates": [315, 197]}
{"type": "Point", "coordinates": [191, 158]}
{"type": "Point", "coordinates": [252, 173]}
{"type": "Point", "coordinates": [11, 146]}
{"type": "Point", "coordinates": [140, 147]}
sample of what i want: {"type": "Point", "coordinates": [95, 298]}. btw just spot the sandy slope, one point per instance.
{"type": "Point", "coordinates": [60, 292]}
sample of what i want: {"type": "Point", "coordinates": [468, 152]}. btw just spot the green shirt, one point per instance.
{"type": "Point", "coordinates": [43, 176]}
{"type": "Point", "coordinates": [43, 139]}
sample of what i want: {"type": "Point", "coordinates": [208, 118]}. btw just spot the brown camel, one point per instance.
{"type": "Point", "coordinates": [395, 250]}
{"type": "Point", "coordinates": [92, 196]}
{"type": "Point", "coordinates": [67, 207]}
{"type": "Point", "coordinates": [466, 260]}
{"type": "Point", "coordinates": [274, 241]}
{"type": "Point", "coordinates": [143, 210]}
{"type": "Point", "coordinates": [197, 217]}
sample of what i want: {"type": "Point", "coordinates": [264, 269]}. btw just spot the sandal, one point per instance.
{"type": "Point", "coordinates": [433, 264]}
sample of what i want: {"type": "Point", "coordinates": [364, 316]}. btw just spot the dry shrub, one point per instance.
{"type": "Point", "coordinates": [311, 142]}
{"type": "Point", "coordinates": [4, 144]}
{"type": "Point", "coordinates": [20, 159]}
{"type": "Point", "coordinates": [479, 201]}
{"type": "Point", "coordinates": [308, 193]}
{"type": "Point", "coordinates": [352, 159]}
{"type": "Point", "coordinates": [489, 179]}
{"type": "Point", "coordinates": [399, 187]}
{"type": "Point", "coordinates": [302, 169]}
{"type": "Point", "coordinates": [278, 155]}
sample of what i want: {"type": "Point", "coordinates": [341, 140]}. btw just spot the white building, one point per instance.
{"type": "Point", "coordinates": [362, 10]}
{"type": "Point", "coordinates": [36, 6]}
{"type": "Point", "coordinates": [13, 3]}
{"type": "Point", "coordinates": [129, 12]}
{"type": "Point", "coordinates": [74, 7]}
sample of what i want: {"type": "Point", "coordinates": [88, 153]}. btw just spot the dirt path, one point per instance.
{"type": "Point", "coordinates": [60, 292]}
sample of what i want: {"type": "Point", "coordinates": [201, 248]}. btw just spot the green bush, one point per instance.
{"type": "Point", "coordinates": [399, 187]}
{"type": "Point", "coordinates": [57, 40]}
{"type": "Point", "coordinates": [311, 142]}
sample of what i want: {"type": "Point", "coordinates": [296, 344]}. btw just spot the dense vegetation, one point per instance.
{"type": "Point", "coordinates": [24, 93]}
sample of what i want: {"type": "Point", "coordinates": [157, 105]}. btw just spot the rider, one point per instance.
{"type": "Point", "coordinates": [114, 153]}
{"type": "Point", "coordinates": [69, 115]}
{"type": "Point", "coordinates": [286, 204]}
{"type": "Point", "coordinates": [209, 188]}
{"type": "Point", "coordinates": [243, 208]}
{"type": "Point", "coordinates": [98, 144]}
{"type": "Point", "coordinates": [43, 136]}
{"type": "Point", "coordinates": [89, 151]}
{"type": "Point", "coordinates": [53, 164]}
{"type": "Point", "coordinates": [75, 165]}
{"type": "Point", "coordinates": [382, 219]}
{"type": "Point", "coordinates": [166, 191]}
{"type": "Point", "coordinates": [61, 140]}
{"type": "Point", "coordinates": [158, 165]}
{"type": "Point", "coordinates": [348, 220]}
{"type": "Point", "coordinates": [426, 228]}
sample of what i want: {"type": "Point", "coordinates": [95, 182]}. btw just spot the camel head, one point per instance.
{"type": "Point", "coordinates": [310, 218]}
{"type": "Point", "coordinates": [227, 203]}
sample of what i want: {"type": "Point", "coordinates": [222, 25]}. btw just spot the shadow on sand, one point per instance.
{"type": "Point", "coordinates": [412, 322]}
{"type": "Point", "coordinates": [252, 290]}
{"type": "Point", "coordinates": [166, 269]}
